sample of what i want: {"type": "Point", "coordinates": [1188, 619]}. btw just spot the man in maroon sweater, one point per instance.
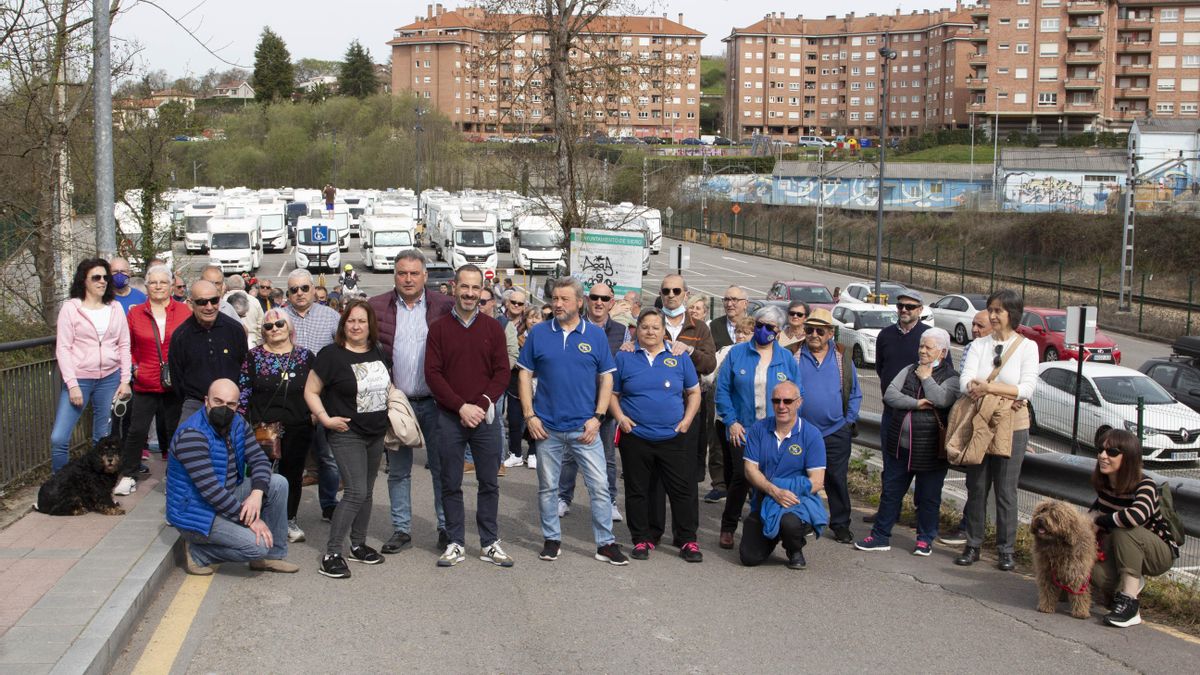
{"type": "Point", "coordinates": [466, 367]}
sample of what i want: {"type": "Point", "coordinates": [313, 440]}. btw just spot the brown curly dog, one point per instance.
{"type": "Point", "coordinates": [1064, 551]}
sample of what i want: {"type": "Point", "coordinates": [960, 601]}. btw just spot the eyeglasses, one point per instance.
{"type": "Point", "coordinates": [996, 358]}
{"type": "Point", "coordinates": [783, 401]}
{"type": "Point", "coordinates": [907, 306]}
{"type": "Point", "coordinates": [594, 297]}
{"type": "Point", "coordinates": [798, 315]}
{"type": "Point", "coordinates": [671, 291]}
{"type": "Point", "coordinates": [733, 299]}
{"type": "Point", "coordinates": [769, 326]}
{"type": "Point", "coordinates": [274, 324]}
{"type": "Point", "coordinates": [201, 302]}
{"type": "Point", "coordinates": [1110, 451]}
{"type": "Point", "coordinates": [516, 303]}
{"type": "Point", "coordinates": [97, 278]}
{"type": "Point", "coordinates": [809, 330]}
{"type": "Point", "coordinates": [303, 288]}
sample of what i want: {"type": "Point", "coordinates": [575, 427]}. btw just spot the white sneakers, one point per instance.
{"type": "Point", "coordinates": [514, 461]}
{"type": "Point", "coordinates": [563, 508]}
{"type": "Point", "coordinates": [617, 517]}
{"type": "Point", "coordinates": [454, 554]}
{"type": "Point", "coordinates": [295, 534]}
{"type": "Point", "coordinates": [125, 486]}
{"type": "Point", "coordinates": [531, 462]}
{"type": "Point", "coordinates": [496, 555]}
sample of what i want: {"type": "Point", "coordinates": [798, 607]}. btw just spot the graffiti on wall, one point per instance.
{"type": "Point", "coordinates": [1055, 193]}
{"type": "Point", "coordinates": [847, 193]}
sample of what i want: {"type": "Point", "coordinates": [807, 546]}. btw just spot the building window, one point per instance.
{"type": "Point", "coordinates": [1048, 49]}
{"type": "Point", "coordinates": [1168, 38]}
{"type": "Point", "coordinates": [1166, 84]}
{"type": "Point", "coordinates": [1050, 25]}
{"type": "Point", "coordinates": [1191, 60]}
{"type": "Point", "coordinates": [1022, 48]}
{"type": "Point", "coordinates": [1167, 108]}
{"type": "Point", "coordinates": [1047, 74]}
{"type": "Point", "coordinates": [1165, 15]}
{"type": "Point", "coordinates": [1020, 97]}
{"type": "Point", "coordinates": [1047, 99]}
{"type": "Point", "coordinates": [1022, 24]}
{"type": "Point", "coordinates": [1188, 108]}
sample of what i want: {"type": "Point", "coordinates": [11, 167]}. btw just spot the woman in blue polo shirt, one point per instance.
{"type": "Point", "coordinates": [655, 398]}
{"type": "Point", "coordinates": [742, 396]}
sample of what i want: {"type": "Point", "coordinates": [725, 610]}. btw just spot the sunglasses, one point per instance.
{"type": "Point", "coordinates": [1111, 452]}
{"type": "Point", "coordinates": [769, 326]}
{"type": "Point", "coordinates": [599, 298]}
{"type": "Point", "coordinates": [303, 288]}
{"type": "Point", "coordinates": [798, 315]}
{"type": "Point", "coordinates": [783, 401]}
{"type": "Point", "coordinates": [201, 302]}
{"type": "Point", "coordinates": [671, 291]}
{"type": "Point", "coordinates": [96, 278]}
{"type": "Point", "coordinates": [996, 358]}
{"type": "Point", "coordinates": [907, 306]}
{"type": "Point", "coordinates": [733, 299]}
{"type": "Point", "coordinates": [274, 324]}
{"type": "Point", "coordinates": [809, 330]}
{"type": "Point", "coordinates": [515, 303]}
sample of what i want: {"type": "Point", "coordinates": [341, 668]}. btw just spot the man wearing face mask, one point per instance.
{"type": "Point", "coordinates": [206, 347]}
{"type": "Point", "coordinates": [221, 494]}
{"type": "Point", "coordinates": [127, 295]}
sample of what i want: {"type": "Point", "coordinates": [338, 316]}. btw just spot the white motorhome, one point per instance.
{"type": "Point", "coordinates": [195, 224]}
{"type": "Point", "coordinates": [235, 242]}
{"type": "Point", "coordinates": [617, 219]}
{"type": "Point", "coordinates": [472, 237]}
{"type": "Point", "coordinates": [652, 219]}
{"type": "Point", "coordinates": [436, 214]}
{"type": "Point", "coordinates": [537, 242]}
{"type": "Point", "coordinates": [383, 237]}
{"type": "Point", "coordinates": [272, 221]}
{"type": "Point", "coordinates": [315, 255]}
{"type": "Point", "coordinates": [130, 235]}
{"type": "Point", "coordinates": [356, 206]}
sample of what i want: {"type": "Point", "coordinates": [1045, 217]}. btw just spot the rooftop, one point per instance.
{"type": "Point", "coordinates": [776, 23]}
{"type": "Point", "coordinates": [1064, 159]}
{"type": "Point", "coordinates": [915, 170]}
{"type": "Point", "coordinates": [476, 18]}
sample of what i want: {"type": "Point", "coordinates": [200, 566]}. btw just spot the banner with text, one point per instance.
{"type": "Point", "coordinates": [609, 257]}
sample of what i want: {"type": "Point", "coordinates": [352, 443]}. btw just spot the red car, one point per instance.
{"type": "Point", "coordinates": [814, 293]}
{"type": "Point", "coordinates": [1047, 327]}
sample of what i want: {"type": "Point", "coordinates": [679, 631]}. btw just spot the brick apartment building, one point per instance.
{"type": "Point", "coordinates": [794, 76]}
{"type": "Point", "coordinates": [485, 71]}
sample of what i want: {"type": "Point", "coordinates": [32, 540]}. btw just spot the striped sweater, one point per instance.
{"type": "Point", "coordinates": [191, 449]}
{"type": "Point", "coordinates": [1139, 509]}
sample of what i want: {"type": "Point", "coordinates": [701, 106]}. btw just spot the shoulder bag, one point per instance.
{"type": "Point", "coordinates": [958, 450]}
{"type": "Point", "coordinates": [164, 372]}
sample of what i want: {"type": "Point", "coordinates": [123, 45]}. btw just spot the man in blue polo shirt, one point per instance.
{"type": "Point", "coordinates": [570, 358]}
{"type": "Point", "coordinates": [785, 466]}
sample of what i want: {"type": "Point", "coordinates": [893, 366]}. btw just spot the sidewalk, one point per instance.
{"type": "Point", "coordinates": [74, 587]}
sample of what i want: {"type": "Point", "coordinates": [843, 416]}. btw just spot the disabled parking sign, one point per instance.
{"type": "Point", "coordinates": [320, 234]}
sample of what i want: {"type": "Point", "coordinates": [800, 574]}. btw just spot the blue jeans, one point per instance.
{"type": "Point", "coordinates": [99, 393]}
{"type": "Point", "coordinates": [400, 469]}
{"type": "Point", "coordinates": [328, 477]}
{"type": "Point", "coordinates": [591, 457]}
{"type": "Point", "coordinates": [927, 497]}
{"type": "Point", "coordinates": [485, 441]}
{"type": "Point", "coordinates": [570, 469]}
{"type": "Point", "coordinates": [233, 542]}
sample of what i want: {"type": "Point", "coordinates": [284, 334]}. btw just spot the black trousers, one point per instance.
{"type": "Point", "coordinates": [837, 466]}
{"type": "Point", "coordinates": [657, 496]}
{"type": "Point", "coordinates": [669, 464]}
{"type": "Point", "coordinates": [756, 548]}
{"type": "Point", "coordinates": [293, 454]}
{"type": "Point", "coordinates": [735, 496]}
{"type": "Point", "coordinates": [144, 407]}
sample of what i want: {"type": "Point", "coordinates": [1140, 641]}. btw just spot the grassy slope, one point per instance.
{"type": "Point", "coordinates": [713, 70]}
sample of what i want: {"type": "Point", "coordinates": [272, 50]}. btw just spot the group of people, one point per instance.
{"type": "Point", "coordinates": [768, 404]}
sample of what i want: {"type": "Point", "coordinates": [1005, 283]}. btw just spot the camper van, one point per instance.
{"type": "Point", "coordinates": [235, 243]}
{"type": "Point", "coordinates": [195, 224]}
{"type": "Point", "coordinates": [471, 237]}
{"type": "Point", "coordinates": [316, 256]}
{"type": "Point", "coordinates": [652, 219]}
{"type": "Point", "coordinates": [383, 237]}
{"type": "Point", "coordinates": [537, 243]}
{"type": "Point", "coordinates": [272, 222]}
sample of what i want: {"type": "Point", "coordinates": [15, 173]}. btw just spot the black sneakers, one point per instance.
{"type": "Point", "coordinates": [550, 550]}
{"type": "Point", "coordinates": [611, 553]}
{"type": "Point", "coordinates": [327, 513]}
{"type": "Point", "coordinates": [397, 541]}
{"type": "Point", "coordinates": [1124, 612]}
{"type": "Point", "coordinates": [365, 555]}
{"type": "Point", "coordinates": [843, 535]}
{"type": "Point", "coordinates": [334, 566]}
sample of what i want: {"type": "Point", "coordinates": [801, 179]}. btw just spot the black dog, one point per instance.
{"type": "Point", "coordinates": [85, 483]}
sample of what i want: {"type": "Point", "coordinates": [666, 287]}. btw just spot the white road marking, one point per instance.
{"type": "Point", "coordinates": [283, 267]}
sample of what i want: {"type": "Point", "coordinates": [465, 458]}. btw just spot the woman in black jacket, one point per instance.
{"type": "Point", "coordinates": [921, 396]}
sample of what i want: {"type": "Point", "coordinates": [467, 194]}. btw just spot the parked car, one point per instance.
{"type": "Point", "coordinates": [1047, 327]}
{"type": "Point", "coordinates": [812, 142]}
{"type": "Point", "coordinates": [780, 143]}
{"type": "Point", "coordinates": [654, 140]}
{"type": "Point", "coordinates": [1179, 373]}
{"type": "Point", "coordinates": [859, 326]}
{"type": "Point", "coordinates": [632, 140]}
{"type": "Point", "coordinates": [814, 293]}
{"type": "Point", "coordinates": [954, 313]}
{"type": "Point", "coordinates": [524, 139]}
{"type": "Point", "coordinates": [439, 273]}
{"type": "Point", "coordinates": [691, 141]}
{"type": "Point", "coordinates": [861, 293]}
{"type": "Point", "coordinates": [547, 138]}
{"type": "Point", "coordinates": [1108, 399]}
{"type": "Point", "coordinates": [721, 140]}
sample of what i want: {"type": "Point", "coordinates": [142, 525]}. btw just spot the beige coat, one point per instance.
{"type": "Point", "coordinates": [404, 427]}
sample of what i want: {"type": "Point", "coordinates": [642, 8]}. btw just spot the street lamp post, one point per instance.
{"type": "Point", "coordinates": [886, 54]}
{"type": "Point", "coordinates": [417, 129]}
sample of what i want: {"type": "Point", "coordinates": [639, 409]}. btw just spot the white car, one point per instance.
{"type": "Point", "coordinates": [859, 326]}
{"type": "Point", "coordinates": [1108, 399]}
{"type": "Point", "coordinates": [954, 313]}
{"type": "Point", "coordinates": [859, 292]}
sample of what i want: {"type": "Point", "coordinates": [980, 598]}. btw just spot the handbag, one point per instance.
{"type": "Point", "coordinates": [270, 438]}
{"type": "Point", "coordinates": [164, 372]}
{"type": "Point", "coordinates": [959, 451]}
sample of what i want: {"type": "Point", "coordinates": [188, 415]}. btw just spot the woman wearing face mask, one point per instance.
{"type": "Point", "coordinates": [921, 396]}
{"type": "Point", "coordinates": [93, 356]}
{"type": "Point", "coordinates": [744, 383]}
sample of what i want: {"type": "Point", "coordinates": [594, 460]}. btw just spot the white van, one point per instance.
{"type": "Point", "coordinates": [472, 238]}
{"type": "Point", "coordinates": [316, 256]}
{"type": "Point", "coordinates": [272, 222]}
{"type": "Point", "coordinates": [235, 243]}
{"type": "Point", "coordinates": [195, 224]}
{"type": "Point", "coordinates": [537, 243]}
{"type": "Point", "coordinates": [652, 219]}
{"type": "Point", "coordinates": [383, 237]}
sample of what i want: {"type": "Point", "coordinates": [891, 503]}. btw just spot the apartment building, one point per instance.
{"type": "Point", "coordinates": [1066, 66]}
{"type": "Point", "coordinates": [795, 76]}
{"type": "Point", "coordinates": [487, 72]}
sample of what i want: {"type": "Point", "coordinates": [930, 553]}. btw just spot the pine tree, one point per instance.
{"type": "Point", "coordinates": [273, 78]}
{"type": "Point", "coordinates": [357, 74]}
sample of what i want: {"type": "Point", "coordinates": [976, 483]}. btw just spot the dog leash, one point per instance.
{"type": "Point", "coordinates": [1083, 588]}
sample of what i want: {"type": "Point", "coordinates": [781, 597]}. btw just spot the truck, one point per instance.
{"type": "Point", "coordinates": [235, 242]}
{"type": "Point", "coordinates": [195, 224]}
{"type": "Point", "coordinates": [471, 237]}
{"type": "Point", "coordinates": [383, 237]}
{"type": "Point", "coordinates": [537, 242]}
{"type": "Point", "coordinates": [311, 253]}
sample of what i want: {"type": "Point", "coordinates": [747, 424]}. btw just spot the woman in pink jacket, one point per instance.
{"type": "Point", "coordinates": [93, 356]}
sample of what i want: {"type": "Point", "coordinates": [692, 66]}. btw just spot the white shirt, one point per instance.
{"type": "Point", "coordinates": [1021, 370]}
{"type": "Point", "coordinates": [99, 318]}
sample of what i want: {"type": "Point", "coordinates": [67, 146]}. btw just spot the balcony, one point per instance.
{"type": "Point", "coordinates": [1082, 83]}
{"type": "Point", "coordinates": [1084, 58]}
{"type": "Point", "coordinates": [1131, 92]}
{"type": "Point", "coordinates": [977, 83]}
{"type": "Point", "coordinates": [1134, 47]}
{"type": "Point", "coordinates": [1084, 32]}
{"type": "Point", "coordinates": [978, 59]}
{"type": "Point", "coordinates": [979, 35]}
{"type": "Point", "coordinates": [1133, 68]}
{"type": "Point", "coordinates": [977, 107]}
{"type": "Point", "coordinates": [1135, 22]}
{"type": "Point", "coordinates": [1082, 7]}
{"type": "Point", "coordinates": [1086, 107]}
{"type": "Point", "coordinates": [980, 11]}
{"type": "Point", "coordinates": [1129, 115]}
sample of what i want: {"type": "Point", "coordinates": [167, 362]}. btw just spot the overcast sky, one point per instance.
{"type": "Point", "coordinates": [324, 29]}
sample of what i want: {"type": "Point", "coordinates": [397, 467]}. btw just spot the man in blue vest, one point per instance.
{"type": "Point", "coordinates": [221, 494]}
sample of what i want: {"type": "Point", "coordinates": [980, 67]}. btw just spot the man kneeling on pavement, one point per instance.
{"type": "Point", "coordinates": [785, 466]}
{"type": "Point", "coordinates": [221, 494]}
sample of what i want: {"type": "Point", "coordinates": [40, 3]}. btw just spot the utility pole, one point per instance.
{"type": "Point", "coordinates": [886, 55]}
{"type": "Point", "coordinates": [1125, 299]}
{"type": "Point", "coordinates": [819, 229]}
{"type": "Point", "coordinates": [645, 180]}
{"type": "Point", "coordinates": [106, 230]}
{"type": "Point", "coordinates": [703, 194]}
{"type": "Point", "coordinates": [417, 155]}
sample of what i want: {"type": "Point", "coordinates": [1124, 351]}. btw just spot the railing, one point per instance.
{"type": "Point", "coordinates": [29, 396]}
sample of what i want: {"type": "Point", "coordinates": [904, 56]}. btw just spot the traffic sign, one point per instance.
{"type": "Point", "coordinates": [669, 212]}
{"type": "Point", "coordinates": [489, 274]}
{"type": "Point", "coordinates": [736, 208]}
{"type": "Point", "coordinates": [320, 234]}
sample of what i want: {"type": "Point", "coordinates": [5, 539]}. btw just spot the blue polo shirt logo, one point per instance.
{"type": "Point", "coordinates": [781, 376]}
{"type": "Point", "coordinates": [670, 363]}
{"type": "Point", "coordinates": [795, 449]}
{"type": "Point", "coordinates": [585, 347]}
